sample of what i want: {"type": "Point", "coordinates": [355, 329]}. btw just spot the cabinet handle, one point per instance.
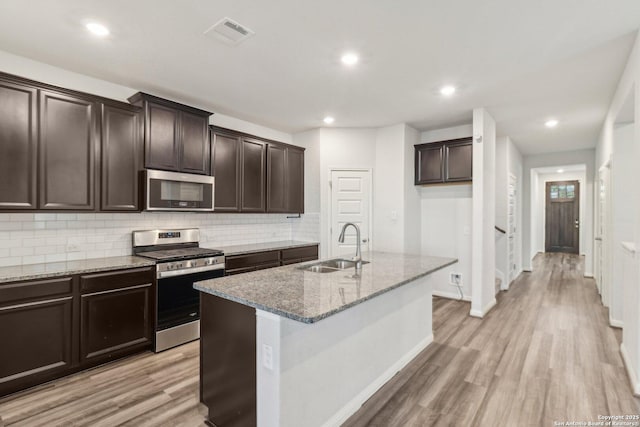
{"type": "Point", "coordinates": [365, 240]}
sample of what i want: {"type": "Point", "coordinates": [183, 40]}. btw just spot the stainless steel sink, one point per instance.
{"type": "Point", "coordinates": [330, 265]}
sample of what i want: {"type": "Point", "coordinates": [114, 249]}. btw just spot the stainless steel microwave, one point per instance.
{"type": "Point", "coordinates": [175, 191]}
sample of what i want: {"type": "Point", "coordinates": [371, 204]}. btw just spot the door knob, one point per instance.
{"type": "Point", "coordinates": [365, 240]}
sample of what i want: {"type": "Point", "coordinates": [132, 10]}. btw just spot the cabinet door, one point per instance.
{"type": "Point", "coordinates": [295, 180]}
{"type": "Point", "coordinates": [225, 167]}
{"type": "Point", "coordinates": [253, 175]}
{"type": "Point", "coordinates": [276, 178]}
{"type": "Point", "coordinates": [194, 143]}
{"type": "Point", "coordinates": [18, 149]}
{"type": "Point", "coordinates": [459, 162]}
{"type": "Point", "coordinates": [36, 342]}
{"type": "Point", "coordinates": [67, 152]}
{"type": "Point", "coordinates": [429, 166]}
{"type": "Point", "coordinates": [161, 137]}
{"type": "Point", "coordinates": [121, 158]}
{"type": "Point", "coordinates": [114, 323]}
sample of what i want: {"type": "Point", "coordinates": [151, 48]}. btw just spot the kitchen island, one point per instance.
{"type": "Point", "coordinates": [292, 347]}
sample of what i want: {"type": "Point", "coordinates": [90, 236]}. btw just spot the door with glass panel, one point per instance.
{"type": "Point", "coordinates": [562, 212]}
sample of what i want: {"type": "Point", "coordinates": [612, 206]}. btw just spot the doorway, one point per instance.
{"type": "Point", "coordinates": [350, 202]}
{"type": "Point", "coordinates": [562, 216]}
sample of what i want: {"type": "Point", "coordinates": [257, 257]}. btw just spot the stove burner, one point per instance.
{"type": "Point", "coordinates": [183, 253]}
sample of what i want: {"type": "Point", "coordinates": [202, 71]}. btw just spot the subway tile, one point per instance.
{"type": "Point", "coordinates": [56, 257]}
{"type": "Point", "coordinates": [45, 217]}
{"type": "Point", "coordinates": [33, 259]}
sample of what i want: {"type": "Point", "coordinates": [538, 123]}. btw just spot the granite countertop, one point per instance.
{"type": "Point", "coordinates": [309, 297]}
{"type": "Point", "coordinates": [68, 268]}
{"type": "Point", "coordinates": [259, 247]}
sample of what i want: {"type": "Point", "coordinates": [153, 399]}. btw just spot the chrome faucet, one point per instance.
{"type": "Point", "coordinates": [358, 257]}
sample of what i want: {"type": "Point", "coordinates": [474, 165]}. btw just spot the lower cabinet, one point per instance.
{"type": "Point", "coordinates": [51, 328]}
{"type": "Point", "coordinates": [244, 263]}
{"type": "Point", "coordinates": [115, 322]}
{"type": "Point", "coordinates": [37, 339]}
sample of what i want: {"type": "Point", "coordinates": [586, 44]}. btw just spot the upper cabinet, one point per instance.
{"type": "Point", "coordinates": [68, 143]}
{"type": "Point", "coordinates": [18, 146]}
{"type": "Point", "coordinates": [225, 167]}
{"type": "Point", "coordinates": [64, 150]}
{"type": "Point", "coordinates": [256, 175]}
{"type": "Point", "coordinates": [121, 156]}
{"type": "Point", "coordinates": [444, 162]}
{"type": "Point", "coordinates": [176, 136]}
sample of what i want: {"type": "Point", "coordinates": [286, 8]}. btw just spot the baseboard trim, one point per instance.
{"type": "Point", "coordinates": [450, 295]}
{"type": "Point", "coordinates": [616, 323]}
{"type": "Point", "coordinates": [633, 378]}
{"type": "Point", "coordinates": [356, 403]}
{"type": "Point", "coordinates": [589, 275]}
{"type": "Point", "coordinates": [485, 310]}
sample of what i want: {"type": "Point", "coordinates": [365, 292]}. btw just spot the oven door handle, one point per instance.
{"type": "Point", "coordinates": [185, 272]}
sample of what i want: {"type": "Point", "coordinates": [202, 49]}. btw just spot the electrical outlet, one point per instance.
{"type": "Point", "coordinates": [267, 356]}
{"type": "Point", "coordinates": [455, 279]}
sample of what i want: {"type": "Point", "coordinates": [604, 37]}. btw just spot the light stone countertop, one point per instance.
{"type": "Point", "coordinates": [68, 268]}
{"type": "Point", "coordinates": [309, 297]}
{"type": "Point", "coordinates": [260, 247]}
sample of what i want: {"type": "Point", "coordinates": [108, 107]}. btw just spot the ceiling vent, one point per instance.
{"type": "Point", "coordinates": [229, 31]}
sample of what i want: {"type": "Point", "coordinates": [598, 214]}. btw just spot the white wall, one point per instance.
{"type": "Point", "coordinates": [530, 216]}
{"type": "Point", "coordinates": [342, 148]}
{"type": "Point", "coordinates": [308, 226]}
{"type": "Point", "coordinates": [539, 238]}
{"type": "Point", "coordinates": [628, 86]}
{"type": "Point", "coordinates": [389, 180]}
{"type": "Point", "coordinates": [623, 195]}
{"type": "Point", "coordinates": [412, 208]}
{"type": "Point", "coordinates": [445, 213]}
{"type": "Point", "coordinates": [483, 256]}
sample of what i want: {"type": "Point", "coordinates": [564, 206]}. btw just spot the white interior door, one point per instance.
{"type": "Point", "coordinates": [350, 202]}
{"type": "Point", "coordinates": [512, 215]}
{"type": "Point", "coordinates": [602, 235]}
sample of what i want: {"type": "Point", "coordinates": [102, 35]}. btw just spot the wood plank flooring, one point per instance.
{"type": "Point", "coordinates": [544, 354]}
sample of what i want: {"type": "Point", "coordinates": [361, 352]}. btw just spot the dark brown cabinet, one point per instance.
{"type": "Point", "coordinates": [444, 162]}
{"type": "Point", "coordinates": [244, 263]}
{"type": "Point", "coordinates": [36, 332]}
{"type": "Point", "coordinates": [53, 327]}
{"type": "Point", "coordinates": [256, 175]}
{"type": "Point", "coordinates": [225, 167]}
{"type": "Point", "coordinates": [18, 146]}
{"type": "Point", "coordinates": [68, 142]}
{"type": "Point", "coordinates": [116, 315]}
{"type": "Point", "coordinates": [121, 153]}
{"type": "Point", "coordinates": [277, 179]}
{"type": "Point", "coordinates": [295, 180]}
{"type": "Point", "coordinates": [176, 136]}
{"type": "Point", "coordinates": [252, 176]}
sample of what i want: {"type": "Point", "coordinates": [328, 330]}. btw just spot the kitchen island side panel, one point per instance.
{"type": "Point", "coordinates": [323, 372]}
{"type": "Point", "coordinates": [228, 361]}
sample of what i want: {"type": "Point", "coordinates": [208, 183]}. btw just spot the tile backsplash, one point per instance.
{"type": "Point", "coordinates": [31, 238]}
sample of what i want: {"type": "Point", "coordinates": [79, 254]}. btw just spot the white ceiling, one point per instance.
{"type": "Point", "coordinates": [525, 61]}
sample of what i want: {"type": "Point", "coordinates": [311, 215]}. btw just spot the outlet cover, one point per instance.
{"type": "Point", "coordinates": [455, 279]}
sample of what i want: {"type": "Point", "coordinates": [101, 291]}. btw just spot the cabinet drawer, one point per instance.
{"type": "Point", "coordinates": [299, 260]}
{"type": "Point", "coordinates": [240, 270]}
{"type": "Point", "coordinates": [249, 260]}
{"type": "Point", "coordinates": [115, 280]}
{"type": "Point", "coordinates": [13, 293]}
{"type": "Point", "coordinates": [297, 253]}
{"type": "Point", "coordinates": [269, 265]}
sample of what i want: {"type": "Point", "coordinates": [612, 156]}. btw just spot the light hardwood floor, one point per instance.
{"type": "Point", "coordinates": [544, 354]}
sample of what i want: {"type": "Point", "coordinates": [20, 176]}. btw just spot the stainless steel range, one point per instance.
{"type": "Point", "coordinates": [180, 261]}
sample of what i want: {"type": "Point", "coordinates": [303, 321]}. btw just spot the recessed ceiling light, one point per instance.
{"type": "Point", "coordinates": [349, 58]}
{"type": "Point", "coordinates": [447, 90]}
{"type": "Point", "coordinates": [97, 29]}
{"type": "Point", "coordinates": [328, 120]}
{"type": "Point", "coordinates": [551, 123]}
{"type": "Point", "coordinates": [560, 170]}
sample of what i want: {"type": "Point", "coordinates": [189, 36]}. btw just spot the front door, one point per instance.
{"type": "Point", "coordinates": [562, 216]}
{"type": "Point", "coordinates": [350, 202]}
